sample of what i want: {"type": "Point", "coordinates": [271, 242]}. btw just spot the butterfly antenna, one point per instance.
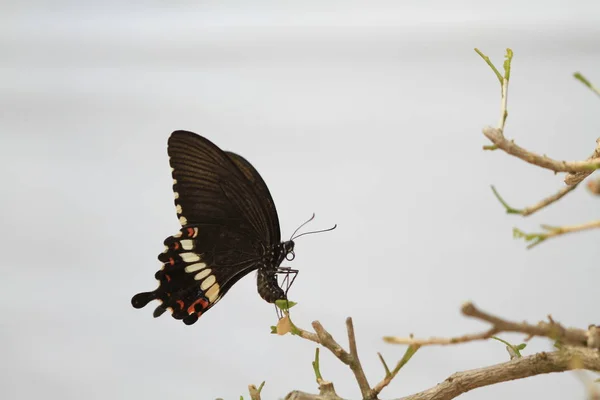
{"type": "Point", "coordinates": [300, 227]}
{"type": "Point", "coordinates": [310, 233]}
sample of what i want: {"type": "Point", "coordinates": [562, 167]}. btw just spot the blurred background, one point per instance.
{"type": "Point", "coordinates": [368, 113]}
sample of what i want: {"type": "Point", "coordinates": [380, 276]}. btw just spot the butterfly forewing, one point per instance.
{"type": "Point", "coordinates": [209, 187]}
{"type": "Point", "coordinates": [266, 200]}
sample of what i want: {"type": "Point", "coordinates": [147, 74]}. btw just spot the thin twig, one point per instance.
{"type": "Point", "coordinates": [536, 207]}
{"type": "Point", "coordinates": [391, 375]}
{"type": "Point", "coordinates": [495, 135]}
{"type": "Point", "coordinates": [518, 368]}
{"type": "Point", "coordinates": [548, 200]}
{"type": "Point", "coordinates": [442, 341]}
{"type": "Point", "coordinates": [553, 231]}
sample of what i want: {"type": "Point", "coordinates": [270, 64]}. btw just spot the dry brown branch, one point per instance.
{"type": "Point", "coordinates": [254, 391]}
{"type": "Point", "coordinates": [518, 368]}
{"type": "Point", "coordinates": [553, 231]}
{"type": "Point", "coordinates": [299, 395]}
{"type": "Point", "coordinates": [496, 136]}
{"type": "Point", "coordinates": [551, 330]}
{"type": "Point", "coordinates": [547, 201]}
{"type": "Point", "coordinates": [355, 364]}
{"type": "Point", "coordinates": [390, 375]}
{"type": "Point", "coordinates": [577, 177]}
{"type": "Point", "coordinates": [350, 359]}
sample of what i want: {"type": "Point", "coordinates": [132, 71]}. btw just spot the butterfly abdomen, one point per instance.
{"type": "Point", "coordinates": [268, 287]}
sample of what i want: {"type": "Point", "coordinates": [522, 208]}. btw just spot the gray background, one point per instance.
{"type": "Point", "coordinates": [367, 113]}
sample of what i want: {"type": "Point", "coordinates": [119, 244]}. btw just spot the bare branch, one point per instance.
{"type": "Point", "coordinates": [518, 368]}
{"type": "Point", "coordinates": [497, 137]}
{"type": "Point", "coordinates": [391, 375]}
{"type": "Point", "coordinates": [442, 341]}
{"type": "Point", "coordinates": [255, 392]}
{"type": "Point", "coordinates": [553, 231]}
{"type": "Point", "coordinates": [299, 395]}
{"type": "Point", "coordinates": [577, 177]}
{"type": "Point", "coordinates": [527, 211]}
{"type": "Point", "coordinates": [552, 330]}
{"type": "Point", "coordinates": [547, 201]}
{"type": "Point", "coordinates": [355, 364]}
{"type": "Point", "coordinates": [351, 359]}
{"type": "Point", "coordinates": [329, 342]}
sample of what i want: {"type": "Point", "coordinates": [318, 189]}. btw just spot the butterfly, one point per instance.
{"type": "Point", "coordinates": [229, 227]}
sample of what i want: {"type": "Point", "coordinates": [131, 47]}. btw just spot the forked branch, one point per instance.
{"type": "Point", "coordinates": [551, 329]}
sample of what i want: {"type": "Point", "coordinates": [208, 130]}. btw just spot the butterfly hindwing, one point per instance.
{"type": "Point", "coordinates": [198, 270]}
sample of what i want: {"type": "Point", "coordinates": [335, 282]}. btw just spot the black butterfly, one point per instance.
{"type": "Point", "coordinates": [229, 228]}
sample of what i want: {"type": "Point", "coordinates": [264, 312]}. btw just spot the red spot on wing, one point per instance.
{"type": "Point", "coordinates": [181, 304]}
{"type": "Point", "coordinates": [176, 245]}
{"type": "Point", "coordinates": [168, 278]}
{"type": "Point", "coordinates": [202, 302]}
{"type": "Point", "coordinates": [171, 261]}
{"type": "Point", "coordinates": [190, 232]}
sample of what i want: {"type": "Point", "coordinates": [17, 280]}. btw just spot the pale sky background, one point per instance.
{"type": "Point", "coordinates": [368, 113]}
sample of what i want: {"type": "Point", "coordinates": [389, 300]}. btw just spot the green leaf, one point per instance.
{"type": "Point", "coordinates": [274, 329]}
{"type": "Point", "coordinates": [285, 304]}
{"type": "Point", "coordinates": [522, 346]}
{"type": "Point", "coordinates": [512, 350]}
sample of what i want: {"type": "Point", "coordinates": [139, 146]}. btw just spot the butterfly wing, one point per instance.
{"type": "Point", "coordinates": [210, 187]}
{"type": "Point", "coordinates": [227, 217]}
{"type": "Point", "coordinates": [200, 264]}
{"type": "Point", "coordinates": [262, 191]}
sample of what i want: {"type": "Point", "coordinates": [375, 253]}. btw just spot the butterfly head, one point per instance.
{"type": "Point", "coordinates": [288, 250]}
